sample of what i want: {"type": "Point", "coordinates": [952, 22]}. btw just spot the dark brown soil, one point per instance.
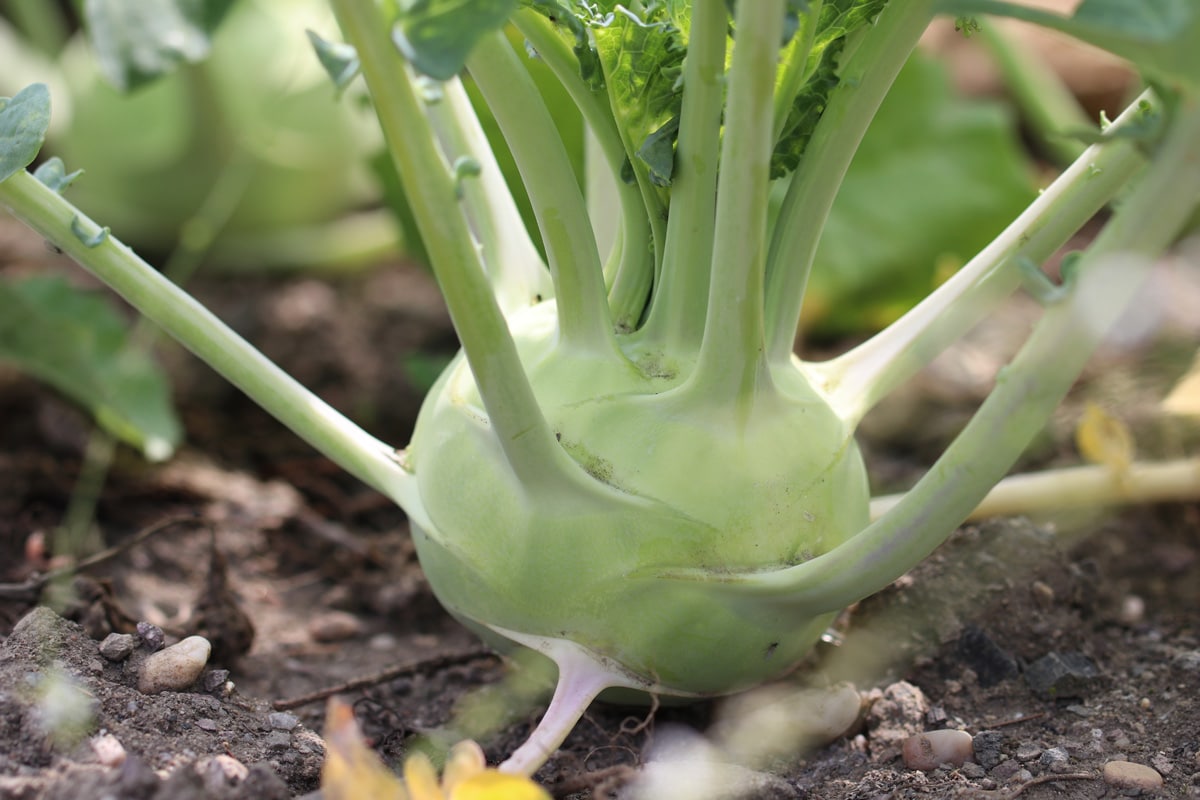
{"type": "Point", "coordinates": [304, 580]}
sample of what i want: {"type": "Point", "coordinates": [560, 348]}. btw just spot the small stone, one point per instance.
{"type": "Point", "coordinates": [108, 749]}
{"type": "Point", "coordinates": [1028, 751]}
{"type": "Point", "coordinates": [334, 626]}
{"type": "Point", "coordinates": [117, 646]}
{"type": "Point", "coordinates": [987, 747]}
{"type": "Point", "coordinates": [1133, 610]}
{"type": "Point", "coordinates": [928, 751]}
{"type": "Point", "coordinates": [1005, 770]}
{"type": "Point", "coordinates": [151, 635]}
{"type": "Point", "coordinates": [214, 679]}
{"type": "Point", "coordinates": [220, 772]}
{"type": "Point", "coordinates": [206, 724]}
{"type": "Point", "coordinates": [1055, 759]}
{"type": "Point", "coordinates": [174, 668]}
{"type": "Point", "coordinates": [1161, 763]}
{"type": "Point", "coordinates": [279, 740]}
{"type": "Point", "coordinates": [1059, 675]}
{"type": "Point", "coordinates": [282, 721]}
{"type": "Point", "coordinates": [1128, 775]}
{"type": "Point", "coordinates": [896, 713]}
{"type": "Point", "coordinates": [972, 770]}
{"type": "Point", "coordinates": [990, 662]}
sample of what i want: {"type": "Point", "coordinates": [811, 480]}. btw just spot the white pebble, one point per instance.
{"type": "Point", "coordinates": [174, 668]}
{"type": "Point", "coordinates": [109, 750]}
{"type": "Point", "coordinates": [1128, 775]}
{"type": "Point", "coordinates": [928, 751]}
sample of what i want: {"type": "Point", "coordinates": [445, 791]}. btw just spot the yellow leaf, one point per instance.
{"type": "Point", "coordinates": [352, 770]}
{"type": "Point", "coordinates": [493, 785]}
{"type": "Point", "coordinates": [1104, 439]}
{"type": "Point", "coordinates": [1184, 399]}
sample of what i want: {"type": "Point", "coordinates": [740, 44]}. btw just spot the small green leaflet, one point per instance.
{"type": "Point", "coordinates": [436, 36]}
{"type": "Point", "coordinates": [1161, 37]}
{"type": "Point", "coordinates": [75, 342]}
{"type": "Point", "coordinates": [339, 59]}
{"type": "Point", "coordinates": [137, 41]}
{"type": "Point", "coordinates": [24, 120]}
{"type": "Point", "coordinates": [53, 173]}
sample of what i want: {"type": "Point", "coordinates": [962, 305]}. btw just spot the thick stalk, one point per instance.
{"type": "Point", "coordinates": [558, 202]}
{"type": "Point", "coordinates": [676, 321]}
{"type": "Point", "coordinates": [731, 365]}
{"type": "Point", "coordinates": [176, 312]}
{"type": "Point", "coordinates": [513, 412]}
{"type": "Point", "coordinates": [631, 271]}
{"type": "Point", "coordinates": [514, 266]}
{"type": "Point", "coordinates": [864, 82]}
{"type": "Point", "coordinates": [858, 379]}
{"type": "Point", "coordinates": [1027, 392]}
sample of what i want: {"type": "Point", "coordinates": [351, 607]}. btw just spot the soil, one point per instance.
{"type": "Point", "coordinates": [1060, 646]}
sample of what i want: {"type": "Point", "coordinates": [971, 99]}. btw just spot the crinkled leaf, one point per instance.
{"type": "Point", "coordinates": [24, 119]}
{"type": "Point", "coordinates": [339, 59]}
{"type": "Point", "coordinates": [436, 36]}
{"type": "Point", "coordinates": [53, 173]}
{"type": "Point", "coordinates": [137, 41]}
{"type": "Point", "coordinates": [1162, 37]}
{"type": "Point", "coordinates": [837, 19]}
{"type": "Point", "coordinates": [935, 179]}
{"type": "Point", "coordinates": [75, 342]}
{"type": "Point", "coordinates": [571, 24]}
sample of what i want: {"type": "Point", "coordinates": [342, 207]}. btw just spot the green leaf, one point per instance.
{"type": "Point", "coordinates": [24, 120]}
{"type": "Point", "coordinates": [436, 36]}
{"type": "Point", "coordinates": [53, 173]}
{"type": "Point", "coordinates": [75, 342]}
{"type": "Point", "coordinates": [137, 41]}
{"type": "Point", "coordinates": [935, 179]}
{"type": "Point", "coordinates": [1161, 37]}
{"type": "Point", "coordinates": [339, 59]}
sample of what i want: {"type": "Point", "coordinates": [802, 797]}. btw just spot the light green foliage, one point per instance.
{"type": "Point", "coordinates": [338, 59]}
{"type": "Point", "coordinates": [138, 41]}
{"type": "Point", "coordinates": [923, 135]}
{"type": "Point", "coordinates": [75, 342]}
{"type": "Point", "coordinates": [437, 35]}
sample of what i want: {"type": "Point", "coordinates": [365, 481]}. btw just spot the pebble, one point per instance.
{"type": "Point", "coordinates": [1055, 759]}
{"type": "Point", "coordinates": [282, 721]}
{"type": "Point", "coordinates": [108, 749]}
{"type": "Point", "coordinates": [1028, 751]}
{"type": "Point", "coordinates": [928, 751]}
{"type": "Point", "coordinates": [1058, 675]}
{"type": "Point", "coordinates": [214, 679]}
{"type": "Point", "coordinates": [174, 668]}
{"type": "Point", "coordinates": [117, 646]}
{"type": "Point", "coordinates": [221, 771]}
{"type": "Point", "coordinates": [334, 626]}
{"type": "Point", "coordinates": [1128, 775]}
{"type": "Point", "coordinates": [206, 724]}
{"type": "Point", "coordinates": [896, 714]}
{"type": "Point", "coordinates": [151, 635]}
{"type": "Point", "coordinates": [279, 740]}
{"type": "Point", "coordinates": [987, 747]}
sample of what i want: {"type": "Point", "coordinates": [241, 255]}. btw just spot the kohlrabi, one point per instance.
{"type": "Point", "coordinates": [628, 469]}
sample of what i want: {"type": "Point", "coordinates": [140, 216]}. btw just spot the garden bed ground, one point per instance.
{"type": "Point", "coordinates": [270, 538]}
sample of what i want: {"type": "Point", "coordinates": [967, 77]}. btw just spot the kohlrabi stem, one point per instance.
{"type": "Point", "coordinates": [731, 364]}
{"type": "Point", "coordinates": [631, 270]}
{"type": "Point", "coordinates": [863, 83]}
{"type": "Point", "coordinates": [858, 379]}
{"type": "Point", "coordinates": [676, 321]}
{"type": "Point", "coordinates": [513, 412]}
{"type": "Point", "coordinates": [1027, 391]}
{"type": "Point", "coordinates": [515, 268]}
{"type": "Point", "coordinates": [795, 59]}
{"type": "Point", "coordinates": [196, 328]}
{"type": "Point", "coordinates": [558, 203]}
{"type": "Point", "coordinates": [1071, 489]}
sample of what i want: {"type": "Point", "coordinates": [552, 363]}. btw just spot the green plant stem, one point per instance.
{"type": "Point", "coordinates": [515, 417]}
{"type": "Point", "coordinates": [864, 82]}
{"type": "Point", "coordinates": [796, 71]}
{"type": "Point", "coordinates": [632, 269]}
{"type": "Point", "coordinates": [1026, 394]}
{"type": "Point", "coordinates": [855, 381]}
{"type": "Point", "coordinates": [676, 321]}
{"type": "Point", "coordinates": [177, 313]}
{"type": "Point", "coordinates": [1047, 103]}
{"type": "Point", "coordinates": [514, 266]}
{"type": "Point", "coordinates": [558, 202]}
{"type": "Point", "coordinates": [731, 367]}
{"type": "Point", "coordinates": [1093, 486]}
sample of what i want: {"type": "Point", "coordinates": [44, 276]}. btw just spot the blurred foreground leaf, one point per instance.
{"type": "Point", "coordinates": [75, 342]}
{"type": "Point", "coordinates": [1184, 399]}
{"type": "Point", "coordinates": [24, 119]}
